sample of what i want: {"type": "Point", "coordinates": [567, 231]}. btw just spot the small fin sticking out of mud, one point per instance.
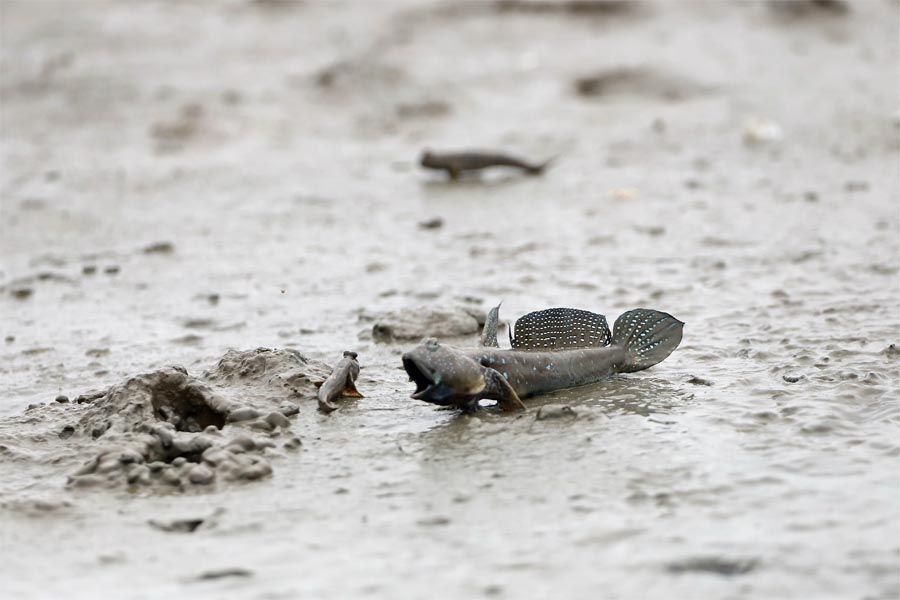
{"type": "Point", "coordinates": [489, 333]}
{"type": "Point", "coordinates": [560, 328]}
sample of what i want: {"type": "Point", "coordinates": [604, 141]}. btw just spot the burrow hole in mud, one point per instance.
{"type": "Point", "coordinates": [185, 408]}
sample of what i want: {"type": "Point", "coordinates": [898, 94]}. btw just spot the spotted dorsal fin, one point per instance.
{"type": "Point", "coordinates": [560, 328]}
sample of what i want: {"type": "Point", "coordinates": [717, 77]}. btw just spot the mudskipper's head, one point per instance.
{"type": "Point", "coordinates": [427, 159]}
{"type": "Point", "coordinates": [443, 375]}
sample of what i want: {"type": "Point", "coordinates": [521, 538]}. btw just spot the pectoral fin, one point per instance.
{"type": "Point", "coordinates": [350, 390]}
{"type": "Point", "coordinates": [498, 388]}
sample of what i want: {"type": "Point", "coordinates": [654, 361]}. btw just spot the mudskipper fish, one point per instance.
{"type": "Point", "coordinates": [457, 163]}
{"type": "Point", "coordinates": [341, 382]}
{"type": "Point", "coordinates": [551, 349]}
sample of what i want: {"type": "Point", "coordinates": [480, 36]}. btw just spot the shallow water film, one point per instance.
{"type": "Point", "coordinates": [204, 205]}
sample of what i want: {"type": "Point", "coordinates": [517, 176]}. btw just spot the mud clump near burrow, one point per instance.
{"type": "Point", "coordinates": [169, 395]}
{"type": "Point", "coordinates": [175, 460]}
{"type": "Point", "coordinates": [440, 322]}
{"type": "Point", "coordinates": [283, 373]}
{"type": "Point", "coordinates": [171, 430]}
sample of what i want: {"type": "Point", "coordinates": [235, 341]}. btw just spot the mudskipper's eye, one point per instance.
{"type": "Point", "coordinates": [432, 344]}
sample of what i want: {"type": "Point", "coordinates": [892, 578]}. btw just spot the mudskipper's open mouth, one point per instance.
{"type": "Point", "coordinates": [420, 375]}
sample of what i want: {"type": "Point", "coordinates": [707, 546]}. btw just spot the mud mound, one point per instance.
{"type": "Point", "coordinates": [170, 429]}
{"type": "Point", "coordinates": [425, 322]}
{"type": "Point", "coordinates": [281, 372]}
{"type": "Point", "coordinates": [169, 395]}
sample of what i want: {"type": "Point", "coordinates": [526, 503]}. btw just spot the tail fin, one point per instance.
{"type": "Point", "coordinates": [648, 336]}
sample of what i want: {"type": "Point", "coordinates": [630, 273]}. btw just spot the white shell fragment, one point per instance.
{"type": "Point", "coordinates": [761, 131]}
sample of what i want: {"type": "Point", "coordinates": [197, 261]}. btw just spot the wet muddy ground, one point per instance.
{"type": "Point", "coordinates": [184, 184]}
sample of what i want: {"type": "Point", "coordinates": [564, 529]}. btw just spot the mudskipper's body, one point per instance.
{"type": "Point", "coordinates": [341, 382]}
{"type": "Point", "coordinates": [457, 163]}
{"type": "Point", "coordinates": [552, 349]}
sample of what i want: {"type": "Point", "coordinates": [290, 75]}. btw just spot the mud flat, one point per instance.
{"type": "Point", "coordinates": [181, 184]}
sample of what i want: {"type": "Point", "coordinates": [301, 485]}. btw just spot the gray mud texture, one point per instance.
{"type": "Point", "coordinates": [204, 204]}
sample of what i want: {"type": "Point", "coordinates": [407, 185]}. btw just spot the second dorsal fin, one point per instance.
{"type": "Point", "coordinates": [560, 328]}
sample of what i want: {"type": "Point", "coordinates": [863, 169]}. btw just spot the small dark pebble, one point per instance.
{"type": "Point", "coordinates": [177, 525]}
{"type": "Point", "coordinates": [62, 399]}
{"type": "Point", "coordinates": [719, 566]}
{"type": "Point", "coordinates": [111, 270]}
{"type": "Point", "coordinates": [22, 293]}
{"type": "Point", "coordinates": [293, 444]}
{"type": "Point", "coordinates": [89, 269]}
{"type": "Point", "coordinates": [199, 323]}
{"type": "Point", "coordinates": [213, 299]}
{"type": "Point", "coordinates": [160, 248]}
{"type": "Point", "coordinates": [699, 380]}
{"type": "Point", "coordinates": [222, 573]}
{"type": "Point", "coordinates": [435, 223]}
{"type": "Point", "coordinates": [433, 522]}
{"type": "Point", "coordinates": [792, 378]}
{"type": "Point", "coordinates": [9, 339]}
{"type": "Point", "coordinates": [653, 230]}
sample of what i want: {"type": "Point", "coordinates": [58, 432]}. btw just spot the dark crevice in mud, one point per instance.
{"type": "Point", "coordinates": [186, 409]}
{"type": "Point", "coordinates": [99, 430]}
{"type": "Point", "coordinates": [168, 395]}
